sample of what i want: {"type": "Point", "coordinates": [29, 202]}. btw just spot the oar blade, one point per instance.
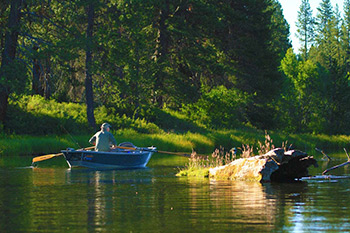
{"type": "Point", "coordinates": [49, 156]}
{"type": "Point", "coordinates": [45, 157]}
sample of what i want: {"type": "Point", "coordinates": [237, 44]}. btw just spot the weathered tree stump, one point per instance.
{"type": "Point", "coordinates": [275, 166]}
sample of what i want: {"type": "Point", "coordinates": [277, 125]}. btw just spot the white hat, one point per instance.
{"type": "Point", "coordinates": [105, 126]}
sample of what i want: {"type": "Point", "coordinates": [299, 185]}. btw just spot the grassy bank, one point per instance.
{"type": "Point", "coordinates": [202, 143]}
{"type": "Point", "coordinates": [50, 123]}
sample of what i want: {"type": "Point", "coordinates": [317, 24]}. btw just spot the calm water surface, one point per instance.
{"type": "Point", "coordinates": [57, 199]}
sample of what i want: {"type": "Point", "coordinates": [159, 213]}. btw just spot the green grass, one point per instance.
{"type": "Point", "coordinates": [194, 172]}
{"type": "Point", "coordinates": [37, 126]}
{"type": "Point", "coordinates": [31, 145]}
{"type": "Point", "coordinates": [204, 143]}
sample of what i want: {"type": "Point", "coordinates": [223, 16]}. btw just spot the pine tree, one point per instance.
{"type": "Point", "coordinates": [324, 17]}
{"type": "Point", "coordinates": [346, 35]}
{"type": "Point", "coordinates": [330, 55]}
{"type": "Point", "coordinates": [305, 24]}
{"type": "Point", "coordinates": [8, 66]}
{"type": "Point", "coordinates": [280, 31]}
{"type": "Point", "coordinates": [90, 12]}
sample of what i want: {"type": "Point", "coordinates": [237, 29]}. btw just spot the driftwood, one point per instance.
{"type": "Point", "coordinates": [338, 166]}
{"type": "Point", "coordinates": [324, 154]}
{"type": "Point", "coordinates": [275, 166]}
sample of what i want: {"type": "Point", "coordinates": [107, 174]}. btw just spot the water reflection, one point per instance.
{"type": "Point", "coordinates": [243, 201]}
{"type": "Point", "coordinates": [247, 205]}
{"type": "Point", "coordinates": [154, 200]}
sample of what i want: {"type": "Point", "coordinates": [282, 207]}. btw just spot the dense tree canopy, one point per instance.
{"type": "Point", "coordinates": [320, 77]}
{"type": "Point", "coordinates": [137, 56]}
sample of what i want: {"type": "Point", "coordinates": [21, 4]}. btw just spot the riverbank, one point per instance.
{"type": "Point", "coordinates": [202, 143]}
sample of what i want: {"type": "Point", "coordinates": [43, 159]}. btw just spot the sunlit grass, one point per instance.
{"type": "Point", "coordinates": [202, 143]}
{"type": "Point", "coordinates": [29, 145]}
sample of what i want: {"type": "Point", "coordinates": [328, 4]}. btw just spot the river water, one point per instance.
{"type": "Point", "coordinates": [53, 198]}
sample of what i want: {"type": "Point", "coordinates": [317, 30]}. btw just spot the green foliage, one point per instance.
{"type": "Point", "coordinates": [14, 77]}
{"type": "Point", "coordinates": [172, 121]}
{"type": "Point", "coordinates": [152, 53]}
{"type": "Point", "coordinates": [305, 24]}
{"type": "Point", "coordinates": [30, 145]}
{"type": "Point", "coordinates": [194, 172]}
{"type": "Point", "coordinates": [302, 100]}
{"type": "Point", "coordinates": [37, 116]}
{"type": "Point", "coordinates": [204, 143]}
{"type": "Point", "coordinates": [177, 66]}
{"type": "Point", "coordinates": [218, 108]}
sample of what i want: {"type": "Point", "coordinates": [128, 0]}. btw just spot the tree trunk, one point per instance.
{"type": "Point", "coordinates": [88, 78]}
{"type": "Point", "coordinates": [9, 55]}
{"type": "Point", "coordinates": [46, 78]}
{"type": "Point", "coordinates": [161, 53]}
{"type": "Point", "coordinates": [37, 73]}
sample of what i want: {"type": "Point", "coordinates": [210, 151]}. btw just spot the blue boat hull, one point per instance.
{"type": "Point", "coordinates": [95, 159]}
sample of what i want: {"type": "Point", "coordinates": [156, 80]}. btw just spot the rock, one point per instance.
{"type": "Point", "coordinates": [276, 166]}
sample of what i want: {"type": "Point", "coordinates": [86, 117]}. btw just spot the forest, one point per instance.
{"type": "Point", "coordinates": [218, 64]}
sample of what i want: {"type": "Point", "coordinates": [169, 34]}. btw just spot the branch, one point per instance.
{"type": "Point", "coordinates": [48, 19]}
{"type": "Point", "coordinates": [347, 154]}
{"type": "Point", "coordinates": [335, 167]}
{"type": "Point", "coordinates": [329, 158]}
{"type": "Point", "coordinates": [338, 166]}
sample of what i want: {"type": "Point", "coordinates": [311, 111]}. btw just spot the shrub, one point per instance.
{"type": "Point", "coordinates": [218, 108]}
{"type": "Point", "coordinates": [36, 116]}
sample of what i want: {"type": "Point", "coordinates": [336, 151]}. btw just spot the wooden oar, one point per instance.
{"type": "Point", "coordinates": [50, 156]}
{"type": "Point", "coordinates": [157, 151]}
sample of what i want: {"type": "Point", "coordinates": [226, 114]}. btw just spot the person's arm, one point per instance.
{"type": "Point", "coordinates": [112, 140]}
{"type": "Point", "coordinates": [93, 140]}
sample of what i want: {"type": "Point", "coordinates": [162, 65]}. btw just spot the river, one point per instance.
{"type": "Point", "coordinates": [53, 198]}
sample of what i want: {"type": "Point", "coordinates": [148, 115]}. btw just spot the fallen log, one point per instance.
{"type": "Point", "coordinates": [275, 166]}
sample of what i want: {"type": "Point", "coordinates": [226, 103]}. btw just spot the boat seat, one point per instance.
{"type": "Point", "coordinates": [127, 144]}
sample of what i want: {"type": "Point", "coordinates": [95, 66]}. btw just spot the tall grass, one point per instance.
{"type": "Point", "coordinates": [29, 145]}
{"type": "Point", "coordinates": [199, 165]}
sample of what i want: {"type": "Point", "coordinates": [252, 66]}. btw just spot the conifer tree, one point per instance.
{"type": "Point", "coordinates": [346, 35]}
{"type": "Point", "coordinates": [280, 31]}
{"type": "Point", "coordinates": [305, 24]}
{"type": "Point", "coordinates": [324, 17]}
{"type": "Point", "coordinates": [8, 64]}
{"type": "Point", "coordinates": [88, 64]}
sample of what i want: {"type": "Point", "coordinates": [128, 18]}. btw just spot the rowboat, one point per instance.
{"type": "Point", "coordinates": [125, 156]}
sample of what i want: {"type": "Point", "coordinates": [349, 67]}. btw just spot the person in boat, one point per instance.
{"type": "Point", "coordinates": [103, 140]}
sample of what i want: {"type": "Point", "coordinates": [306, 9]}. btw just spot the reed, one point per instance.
{"type": "Point", "coordinates": [199, 165]}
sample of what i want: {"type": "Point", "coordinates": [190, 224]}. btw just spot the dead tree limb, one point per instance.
{"type": "Point", "coordinates": [347, 154]}
{"type": "Point", "coordinates": [319, 150]}
{"type": "Point", "coordinates": [335, 167]}
{"type": "Point", "coordinates": [338, 166]}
